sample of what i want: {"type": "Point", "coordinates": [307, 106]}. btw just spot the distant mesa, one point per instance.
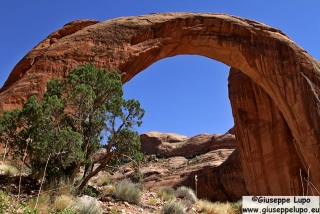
{"type": "Point", "coordinates": [274, 84]}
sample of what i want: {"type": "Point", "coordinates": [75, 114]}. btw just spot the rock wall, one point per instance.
{"type": "Point", "coordinates": [269, 159]}
{"type": "Point", "coordinates": [281, 69]}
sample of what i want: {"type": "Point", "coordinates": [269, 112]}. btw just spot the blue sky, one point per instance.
{"type": "Point", "coordinates": [184, 94]}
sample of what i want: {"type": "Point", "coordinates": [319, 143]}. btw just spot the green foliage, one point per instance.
{"type": "Point", "coordinates": [90, 192]}
{"type": "Point", "coordinates": [221, 155]}
{"type": "Point", "coordinates": [128, 191]}
{"type": "Point", "coordinates": [70, 124]}
{"type": "Point", "coordinates": [4, 202]}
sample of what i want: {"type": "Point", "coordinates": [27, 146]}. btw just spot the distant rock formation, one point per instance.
{"type": "Point", "coordinates": [174, 160]}
{"type": "Point", "coordinates": [276, 106]}
{"type": "Point", "coordinates": [170, 145]}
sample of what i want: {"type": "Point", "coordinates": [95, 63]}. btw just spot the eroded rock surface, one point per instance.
{"type": "Point", "coordinates": [170, 145]}
{"type": "Point", "coordinates": [216, 164]}
{"type": "Point", "coordinates": [280, 68]}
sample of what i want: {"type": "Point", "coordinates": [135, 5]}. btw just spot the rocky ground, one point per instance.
{"type": "Point", "coordinates": [170, 160]}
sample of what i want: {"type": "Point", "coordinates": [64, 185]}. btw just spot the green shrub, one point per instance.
{"type": "Point", "coordinates": [166, 193]}
{"type": "Point", "coordinates": [128, 191]}
{"type": "Point", "coordinates": [173, 207]}
{"type": "Point", "coordinates": [186, 194]}
{"type": "Point", "coordinates": [4, 202]}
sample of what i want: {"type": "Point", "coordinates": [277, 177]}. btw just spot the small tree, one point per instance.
{"type": "Point", "coordinates": [76, 118]}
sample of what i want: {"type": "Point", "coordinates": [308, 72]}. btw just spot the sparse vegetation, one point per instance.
{"type": "Point", "coordinates": [108, 190]}
{"type": "Point", "coordinates": [128, 191]}
{"type": "Point", "coordinates": [186, 194]}
{"type": "Point", "coordinates": [103, 181]}
{"type": "Point", "coordinates": [8, 170]}
{"type": "Point", "coordinates": [173, 207]}
{"type": "Point", "coordinates": [166, 193]}
{"type": "Point", "coordinates": [87, 205]}
{"type": "Point", "coordinates": [153, 201]}
{"type": "Point", "coordinates": [219, 208]}
{"type": "Point", "coordinates": [62, 202]}
{"type": "Point", "coordinates": [221, 155]}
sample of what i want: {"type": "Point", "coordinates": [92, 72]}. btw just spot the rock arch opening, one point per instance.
{"type": "Point", "coordinates": [272, 68]}
{"type": "Point", "coordinates": [184, 94]}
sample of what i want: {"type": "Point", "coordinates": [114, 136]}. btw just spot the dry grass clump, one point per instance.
{"type": "Point", "coordinates": [176, 207]}
{"type": "Point", "coordinates": [128, 191]}
{"type": "Point", "coordinates": [108, 190]}
{"type": "Point", "coordinates": [43, 204]}
{"type": "Point", "coordinates": [219, 208]}
{"type": "Point", "coordinates": [87, 205]}
{"type": "Point", "coordinates": [153, 201]}
{"type": "Point", "coordinates": [166, 193]}
{"type": "Point", "coordinates": [8, 170]}
{"type": "Point", "coordinates": [186, 194]}
{"type": "Point", "coordinates": [63, 202]}
{"type": "Point", "coordinates": [103, 181]}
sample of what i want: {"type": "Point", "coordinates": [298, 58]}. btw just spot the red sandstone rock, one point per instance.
{"type": "Point", "coordinates": [280, 68]}
{"type": "Point", "coordinates": [169, 145]}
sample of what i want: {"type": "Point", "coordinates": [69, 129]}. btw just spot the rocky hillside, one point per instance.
{"type": "Point", "coordinates": [174, 160]}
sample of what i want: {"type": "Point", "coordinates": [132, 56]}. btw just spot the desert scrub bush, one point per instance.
{"type": "Point", "coordinates": [62, 202]}
{"type": "Point", "coordinates": [108, 190]}
{"type": "Point", "coordinates": [153, 201]}
{"type": "Point", "coordinates": [103, 181]}
{"type": "Point", "coordinates": [8, 170]}
{"type": "Point", "coordinates": [173, 207]}
{"type": "Point", "coordinates": [43, 205]}
{"type": "Point", "coordinates": [237, 206]}
{"type": "Point", "coordinates": [186, 194]}
{"type": "Point", "coordinates": [87, 205]}
{"type": "Point", "coordinates": [166, 193]}
{"type": "Point", "coordinates": [128, 191]}
{"type": "Point", "coordinates": [215, 208]}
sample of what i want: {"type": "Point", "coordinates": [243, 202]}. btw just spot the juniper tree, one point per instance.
{"type": "Point", "coordinates": [76, 118]}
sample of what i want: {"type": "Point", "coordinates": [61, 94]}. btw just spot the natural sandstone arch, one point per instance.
{"type": "Point", "coordinates": [279, 68]}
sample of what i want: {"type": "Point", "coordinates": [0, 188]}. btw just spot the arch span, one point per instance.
{"type": "Point", "coordinates": [275, 66]}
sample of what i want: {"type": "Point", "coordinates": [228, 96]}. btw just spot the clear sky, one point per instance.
{"type": "Point", "coordinates": [184, 94]}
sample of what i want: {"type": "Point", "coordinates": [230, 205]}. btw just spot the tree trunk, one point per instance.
{"type": "Point", "coordinates": [85, 180]}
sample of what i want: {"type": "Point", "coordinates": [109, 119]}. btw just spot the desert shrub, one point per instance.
{"type": "Point", "coordinates": [8, 170]}
{"type": "Point", "coordinates": [166, 193]}
{"type": "Point", "coordinates": [89, 191]}
{"type": "Point", "coordinates": [62, 202]}
{"type": "Point", "coordinates": [237, 206]}
{"type": "Point", "coordinates": [108, 190]}
{"type": "Point", "coordinates": [87, 205]}
{"type": "Point", "coordinates": [43, 205]}
{"type": "Point", "coordinates": [186, 194]}
{"type": "Point", "coordinates": [215, 208]}
{"type": "Point", "coordinates": [173, 207]}
{"type": "Point", "coordinates": [104, 180]}
{"type": "Point", "coordinates": [153, 201]}
{"type": "Point", "coordinates": [128, 191]}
